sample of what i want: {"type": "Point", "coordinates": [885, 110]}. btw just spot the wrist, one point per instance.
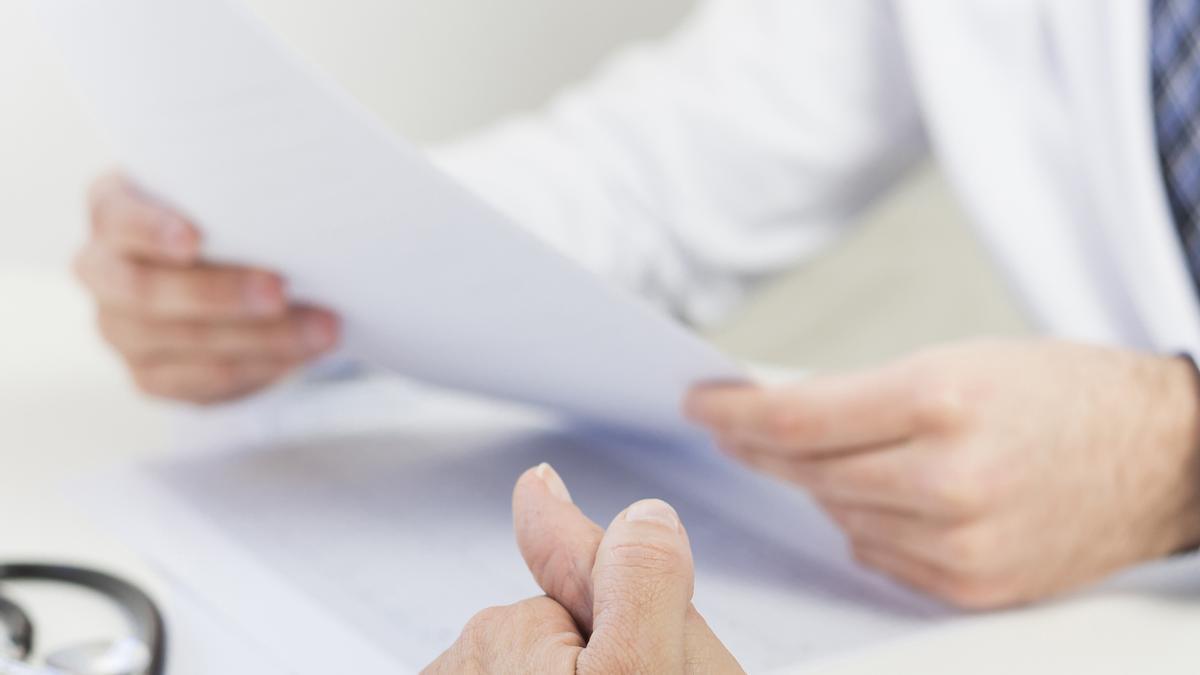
{"type": "Point", "coordinates": [1181, 395]}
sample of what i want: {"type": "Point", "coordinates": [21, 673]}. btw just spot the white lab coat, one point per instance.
{"type": "Point", "coordinates": [689, 170]}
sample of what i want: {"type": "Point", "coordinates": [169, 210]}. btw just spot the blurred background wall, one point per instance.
{"type": "Point", "coordinates": [433, 69]}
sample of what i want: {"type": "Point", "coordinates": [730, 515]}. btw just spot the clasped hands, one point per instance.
{"type": "Point", "coordinates": [617, 600]}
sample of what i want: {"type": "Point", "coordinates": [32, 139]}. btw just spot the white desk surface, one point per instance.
{"type": "Point", "coordinates": [65, 409]}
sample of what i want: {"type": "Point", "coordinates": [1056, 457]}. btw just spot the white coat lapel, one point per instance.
{"type": "Point", "coordinates": [1104, 49]}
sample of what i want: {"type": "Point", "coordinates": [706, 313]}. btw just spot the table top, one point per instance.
{"type": "Point", "coordinates": [66, 409]}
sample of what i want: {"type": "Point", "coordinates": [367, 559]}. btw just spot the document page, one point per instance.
{"type": "Point", "coordinates": [210, 113]}
{"type": "Point", "coordinates": [385, 543]}
{"type": "Point", "coordinates": [365, 544]}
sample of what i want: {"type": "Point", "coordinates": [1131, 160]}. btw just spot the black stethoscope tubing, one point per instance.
{"type": "Point", "coordinates": [140, 609]}
{"type": "Point", "coordinates": [18, 627]}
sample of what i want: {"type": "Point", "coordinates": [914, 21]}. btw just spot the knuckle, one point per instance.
{"type": "Point", "coordinates": [537, 616]}
{"type": "Point", "coordinates": [648, 557]}
{"type": "Point", "coordinates": [149, 380]}
{"type": "Point", "coordinates": [939, 402]}
{"type": "Point", "coordinates": [649, 569]}
{"type": "Point", "coordinates": [556, 569]}
{"type": "Point", "coordinates": [647, 572]}
{"type": "Point", "coordinates": [217, 289]}
{"type": "Point", "coordinates": [287, 339]}
{"type": "Point", "coordinates": [139, 283]}
{"type": "Point", "coordinates": [853, 521]}
{"type": "Point", "coordinates": [473, 643]}
{"type": "Point", "coordinates": [976, 593]}
{"type": "Point", "coordinates": [865, 475]}
{"type": "Point", "coordinates": [839, 516]}
{"type": "Point", "coordinates": [816, 477]}
{"type": "Point", "coordinates": [200, 387]}
{"type": "Point", "coordinates": [956, 498]}
{"type": "Point", "coordinates": [960, 485]}
{"type": "Point", "coordinates": [223, 378]}
{"type": "Point", "coordinates": [264, 374]}
{"type": "Point", "coordinates": [194, 334]}
{"type": "Point", "coordinates": [484, 623]}
{"type": "Point", "coordinates": [969, 549]}
{"type": "Point", "coordinates": [781, 421]}
{"type": "Point", "coordinates": [620, 654]}
{"type": "Point", "coordinates": [785, 420]}
{"type": "Point", "coordinates": [861, 553]}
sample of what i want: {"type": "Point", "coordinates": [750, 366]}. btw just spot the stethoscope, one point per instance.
{"type": "Point", "coordinates": [143, 652]}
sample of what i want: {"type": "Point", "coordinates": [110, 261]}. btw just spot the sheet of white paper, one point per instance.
{"type": "Point", "coordinates": [385, 543]}
{"type": "Point", "coordinates": [365, 542]}
{"type": "Point", "coordinates": [201, 641]}
{"type": "Point", "coordinates": [209, 112]}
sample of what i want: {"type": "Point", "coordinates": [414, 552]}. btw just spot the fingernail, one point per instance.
{"type": "Point", "coordinates": [175, 237]}
{"type": "Point", "coordinates": [653, 511]}
{"type": "Point", "coordinates": [319, 332]}
{"type": "Point", "coordinates": [553, 482]}
{"type": "Point", "coordinates": [263, 294]}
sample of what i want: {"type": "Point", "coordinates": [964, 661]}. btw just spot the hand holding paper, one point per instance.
{"type": "Point", "coordinates": [188, 330]}
{"type": "Point", "coordinates": [283, 172]}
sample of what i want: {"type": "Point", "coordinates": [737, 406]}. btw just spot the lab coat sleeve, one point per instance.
{"type": "Point", "coordinates": [690, 169]}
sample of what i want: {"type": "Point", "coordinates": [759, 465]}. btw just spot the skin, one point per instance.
{"type": "Point", "coordinates": [986, 474]}
{"type": "Point", "coordinates": [618, 600]}
{"type": "Point", "coordinates": [188, 330]}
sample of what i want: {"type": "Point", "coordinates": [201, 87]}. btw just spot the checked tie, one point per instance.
{"type": "Point", "coordinates": [1175, 56]}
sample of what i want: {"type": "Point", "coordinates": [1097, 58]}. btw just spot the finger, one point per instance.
{"type": "Point", "coordinates": [302, 334]}
{"type": "Point", "coordinates": [532, 636]}
{"type": "Point", "coordinates": [887, 477]}
{"type": "Point", "coordinates": [819, 415]}
{"type": "Point", "coordinates": [559, 545]}
{"type": "Point", "coordinates": [642, 589]}
{"type": "Point", "coordinates": [209, 381]}
{"type": "Point", "coordinates": [557, 541]}
{"type": "Point", "coordinates": [131, 224]}
{"type": "Point", "coordinates": [198, 292]}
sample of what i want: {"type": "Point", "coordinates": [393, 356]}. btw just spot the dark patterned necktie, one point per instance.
{"type": "Point", "coordinates": [1175, 54]}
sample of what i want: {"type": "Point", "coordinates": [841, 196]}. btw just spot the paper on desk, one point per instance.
{"type": "Point", "coordinates": [383, 544]}
{"type": "Point", "coordinates": [210, 113]}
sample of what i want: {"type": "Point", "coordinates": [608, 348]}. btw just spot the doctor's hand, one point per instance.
{"type": "Point", "coordinates": [188, 330]}
{"type": "Point", "coordinates": [987, 474]}
{"type": "Point", "coordinates": [618, 601]}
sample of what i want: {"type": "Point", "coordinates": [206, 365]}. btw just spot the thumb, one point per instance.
{"type": "Point", "coordinates": [557, 541]}
{"type": "Point", "coordinates": [642, 589]}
